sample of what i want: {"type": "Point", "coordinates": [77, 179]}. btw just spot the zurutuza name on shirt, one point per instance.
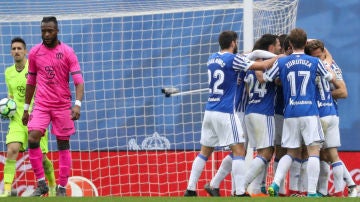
{"type": "Point", "coordinates": [298, 62]}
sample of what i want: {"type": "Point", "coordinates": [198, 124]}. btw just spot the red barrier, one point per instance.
{"type": "Point", "coordinates": [145, 173]}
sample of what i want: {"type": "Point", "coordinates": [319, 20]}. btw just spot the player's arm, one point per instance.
{"type": "Point", "coordinates": [260, 76]}
{"type": "Point", "coordinates": [266, 64]}
{"type": "Point", "coordinates": [30, 88]}
{"type": "Point", "coordinates": [76, 75]}
{"type": "Point", "coordinates": [29, 93]}
{"type": "Point", "coordinates": [75, 111]}
{"type": "Point", "coordinates": [340, 90]}
{"type": "Point", "coordinates": [272, 73]}
{"type": "Point", "coordinates": [325, 72]}
{"type": "Point", "coordinates": [257, 54]}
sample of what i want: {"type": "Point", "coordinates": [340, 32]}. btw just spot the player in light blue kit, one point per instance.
{"type": "Point", "coordinates": [221, 126]}
{"type": "Point", "coordinates": [297, 73]}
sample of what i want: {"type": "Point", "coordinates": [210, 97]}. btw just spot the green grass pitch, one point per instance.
{"type": "Point", "coordinates": [174, 199]}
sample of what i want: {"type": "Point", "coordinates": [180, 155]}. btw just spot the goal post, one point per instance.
{"type": "Point", "coordinates": [131, 140]}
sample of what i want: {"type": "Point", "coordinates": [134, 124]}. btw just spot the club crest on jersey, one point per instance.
{"type": "Point", "coordinates": [59, 56]}
{"type": "Point", "coordinates": [21, 91]}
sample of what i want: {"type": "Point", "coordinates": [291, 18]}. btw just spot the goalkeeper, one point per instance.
{"type": "Point", "coordinates": [17, 136]}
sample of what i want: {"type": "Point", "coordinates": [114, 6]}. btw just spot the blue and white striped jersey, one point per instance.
{"type": "Point", "coordinates": [324, 98]}
{"type": "Point", "coordinates": [261, 95]}
{"type": "Point", "coordinates": [222, 75]}
{"type": "Point", "coordinates": [339, 76]}
{"type": "Point", "coordinates": [297, 73]}
{"type": "Point", "coordinates": [241, 97]}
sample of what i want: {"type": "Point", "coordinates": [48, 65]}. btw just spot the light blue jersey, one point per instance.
{"type": "Point", "coordinates": [297, 73]}
{"type": "Point", "coordinates": [222, 75]}
{"type": "Point", "coordinates": [261, 95]}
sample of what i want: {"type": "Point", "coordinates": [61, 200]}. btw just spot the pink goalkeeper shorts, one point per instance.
{"type": "Point", "coordinates": [61, 124]}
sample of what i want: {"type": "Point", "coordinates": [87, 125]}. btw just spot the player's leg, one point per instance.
{"type": "Point", "coordinates": [10, 167]}
{"type": "Point", "coordinates": [329, 129]}
{"type": "Point", "coordinates": [64, 165]}
{"type": "Point", "coordinates": [313, 137]}
{"type": "Point", "coordinates": [313, 166]}
{"type": "Point", "coordinates": [294, 173]}
{"type": "Point", "coordinates": [225, 168]}
{"type": "Point", "coordinates": [279, 150]}
{"type": "Point", "coordinates": [238, 168]}
{"type": "Point", "coordinates": [232, 135]}
{"type": "Point", "coordinates": [291, 139]}
{"type": "Point", "coordinates": [48, 165]}
{"type": "Point", "coordinates": [16, 141]}
{"type": "Point", "coordinates": [338, 171]}
{"type": "Point", "coordinates": [36, 157]}
{"type": "Point", "coordinates": [352, 187]}
{"type": "Point", "coordinates": [332, 142]}
{"type": "Point", "coordinates": [261, 128]}
{"type": "Point", "coordinates": [322, 187]}
{"type": "Point", "coordinates": [63, 127]}
{"type": "Point", "coordinates": [208, 141]}
{"type": "Point", "coordinates": [37, 126]}
{"type": "Point", "coordinates": [303, 182]}
{"type": "Point", "coordinates": [197, 168]}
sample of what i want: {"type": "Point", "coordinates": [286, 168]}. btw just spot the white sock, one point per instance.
{"type": "Point", "coordinates": [294, 174]}
{"type": "Point", "coordinates": [256, 172]}
{"type": "Point", "coordinates": [282, 169]}
{"type": "Point", "coordinates": [223, 171]}
{"type": "Point", "coordinates": [347, 177]}
{"type": "Point", "coordinates": [313, 168]}
{"type": "Point", "coordinates": [303, 182]}
{"type": "Point", "coordinates": [238, 170]}
{"type": "Point", "coordinates": [276, 163]}
{"type": "Point", "coordinates": [196, 170]}
{"type": "Point", "coordinates": [282, 188]}
{"type": "Point", "coordinates": [323, 178]}
{"type": "Point", "coordinates": [338, 173]}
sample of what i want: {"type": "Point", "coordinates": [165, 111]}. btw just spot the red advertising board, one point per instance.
{"type": "Point", "coordinates": [145, 173]}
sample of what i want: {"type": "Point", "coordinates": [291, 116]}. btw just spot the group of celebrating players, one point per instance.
{"type": "Point", "coordinates": [281, 100]}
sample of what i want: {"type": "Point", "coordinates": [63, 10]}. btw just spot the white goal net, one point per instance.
{"type": "Point", "coordinates": [131, 140]}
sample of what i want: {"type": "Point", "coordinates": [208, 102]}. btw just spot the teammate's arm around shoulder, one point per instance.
{"type": "Point", "coordinates": [266, 64]}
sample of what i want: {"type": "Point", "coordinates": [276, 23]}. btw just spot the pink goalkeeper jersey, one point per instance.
{"type": "Point", "coordinates": [49, 70]}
